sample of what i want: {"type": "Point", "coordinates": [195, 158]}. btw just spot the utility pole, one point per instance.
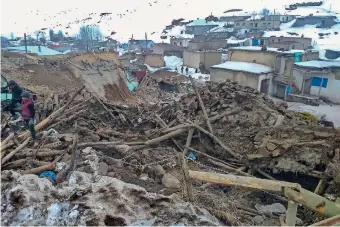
{"type": "Point", "coordinates": [25, 39]}
{"type": "Point", "coordinates": [205, 49]}
{"type": "Point", "coordinates": [146, 41]}
{"type": "Point", "coordinates": [129, 45]}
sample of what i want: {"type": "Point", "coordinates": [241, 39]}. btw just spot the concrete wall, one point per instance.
{"type": "Point", "coordinates": [331, 91]}
{"type": "Point", "coordinates": [209, 45]}
{"type": "Point", "coordinates": [233, 18]}
{"type": "Point", "coordinates": [154, 60]}
{"type": "Point", "coordinates": [306, 42]}
{"type": "Point", "coordinates": [245, 79]}
{"type": "Point", "coordinates": [192, 59]}
{"type": "Point", "coordinates": [198, 30]}
{"type": "Point", "coordinates": [215, 35]}
{"type": "Point", "coordinates": [168, 50]}
{"type": "Point", "coordinates": [180, 42]}
{"type": "Point", "coordinates": [257, 24]}
{"type": "Point", "coordinates": [288, 45]}
{"type": "Point", "coordinates": [260, 57]}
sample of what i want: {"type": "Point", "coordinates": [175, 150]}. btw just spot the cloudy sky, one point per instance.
{"type": "Point", "coordinates": [20, 16]}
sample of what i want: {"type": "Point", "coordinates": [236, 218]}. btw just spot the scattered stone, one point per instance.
{"type": "Point", "coordinates": [324, 135]}
{"type": "Point", "coordinates": [170, 181]}
{"type": "Point", "coordinates": [258, 219]}
{"type": "Point", "coordinates": [271, 146]}
{"type": "Point", "coordinates": [103, 168]}
{"type": "Point", "coordinates": [276, 153]}
{"type": "Point", "coordinates": [95, 138]}
{"type": "Point", "coordinates": [159, 171]}
{"type": "Point", "coordinates": [111, 174]}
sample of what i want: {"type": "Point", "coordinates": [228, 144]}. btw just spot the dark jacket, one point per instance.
{"type": "Point", "coordinates": [16, 92]}
{"type": "Point", "coordinates": [27, 109]}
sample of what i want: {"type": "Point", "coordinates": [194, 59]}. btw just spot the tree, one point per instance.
{"type": "Point", "coordinates": [60, 35]}
{"type": "Point", "coordinates": [42, 38]}
{"type": "Point", "coordinates": [265, 12]}
{"type": "Point", "coordinates": [12, 36]}
{"type": "Point", "coordinates": [52, 35]}
{"type": "Point", "coordinates": [88, 34]}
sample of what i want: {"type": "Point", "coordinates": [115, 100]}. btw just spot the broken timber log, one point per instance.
{"type": "Point", "coordinates": [292, 191]}
{"type": "Point", "coordinates": [10, 155]}
{"type": "Point", "coordinates": [201, 104]}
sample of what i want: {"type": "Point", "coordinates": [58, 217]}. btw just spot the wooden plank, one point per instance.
{"type": "Point", "coordinates": [313, 201]}
{"type": "Point", "coordinates": [248, 182]}
{"type": "Point", "coordinates": [291, 213]}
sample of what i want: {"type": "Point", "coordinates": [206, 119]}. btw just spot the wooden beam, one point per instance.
{"type": "Point", "coordinates": [248, 182]}
{"type": "Point", "coordinates": [313, 201]}
{"type": "Point", "coordinates": [291, 213]}
{"type": "Point", "coordinates": [185, 168]}
{"type": "Point", "coordinates": [333, 221]}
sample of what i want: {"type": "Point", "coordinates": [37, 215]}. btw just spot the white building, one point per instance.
{"type": "Point", "coordinates": [318, 78]}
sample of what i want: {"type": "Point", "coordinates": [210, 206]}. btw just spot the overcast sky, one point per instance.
{"type": "Point", "coordinates": [21, 16]}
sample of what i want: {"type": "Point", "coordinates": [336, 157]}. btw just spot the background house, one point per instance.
{"type": "Point", "coordinates": [253, 75]}
{"type": "Point", "coordinates": [321, 21]}
{"type": "Point", "coordinates": [200, 26]}
{"type": "Point", "coordinates": [318, 78]}
{"type": "Point", "coordinates": [167, 49]}
{"type": "Point", "coordinates": [212, 44]}
{"type": "Point", "coordinates": [154, 60]}
{"type": "Point", "coordinates": [193, 59]}
{"type": "Point", "coordinates": [180, 41]}
{"type": "Point", "coordinates": [299, 43]}
{"type": "Point", "coordinates": [280, 61]}
{"type": "Point", "coordinates": [259, 24]}
{"type": "Point", "coordinates": [223, 31]}
{"type": "Point", "coordinates": [140, 45]}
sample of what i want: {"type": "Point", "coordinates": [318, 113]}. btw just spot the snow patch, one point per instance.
{"type": "Point", "coordinates": [243, 66]}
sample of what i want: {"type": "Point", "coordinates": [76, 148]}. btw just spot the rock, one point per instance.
{"type": "Point", "coordinates": [258, 220]}
{"type": "Point", "coordinates": [259, 136]}
{"type": "Point", "coordinates": [111, 174]}
{"type": "Point", "coordinates": [276, 153]}
{"type": "Point", "coordinates": [146, 152]}
{"type": "Point", "coordinates": [319, 134]}
{"type": "Point", "coordinates": [112, 139]}
{"type": "Point", "coordinates": [159, 171]}
{"type": "Point", "coordinates": [263, 152]}
{"type": "Point", "coordinates": [337, 178]}
{"type": "Point", "coordinates": [170, 181]}
{"type": "Point", "coordinates": [103, 168]}
{"type": "Point", "coordinates": [271, 146]}
{"type": "Point", "coordinates": [95, 138]}
{"type": "Point", "coordinates": [276, 208]}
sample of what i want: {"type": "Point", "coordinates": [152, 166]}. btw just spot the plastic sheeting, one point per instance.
{"type": "Point", "coordinates": [131, 82]}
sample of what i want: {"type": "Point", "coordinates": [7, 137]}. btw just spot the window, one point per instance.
{"type": "Point", "coordinates": [279, 40]}
{"type": "Point", "coordinates": [180, 43]}
{"type": "Point", "coordinates": [244, 24]}
{"type": "Point", "coordinates": [273, 40]}
{"type": "Point", "coordinates": [264, 24]}
{"type": "Point", "coordinates": [316, 81]}
{"type": "Point", "coordinates": [293, 47]}
{"type": "Point", "coordinates": [255, 25]}
{"type": "Point", "coordinates": [175, 43]}
{"type": "Point", "coordinates": [269, 24]}
{"type": "Point", "coordinates": [237, 24]}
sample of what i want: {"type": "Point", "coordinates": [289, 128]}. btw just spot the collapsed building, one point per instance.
{"type": "Point", "coordinates": [126, 153]}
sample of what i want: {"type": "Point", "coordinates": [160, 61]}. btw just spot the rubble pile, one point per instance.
{"type": "Point", "coordinates": [89, 154]}
{"type": "Point", "coordinates": [163, 86]}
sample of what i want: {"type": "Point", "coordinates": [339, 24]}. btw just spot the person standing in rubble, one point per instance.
{"type": "Point", "coordinates": [28, 113]}
{"type": "Point", "coordinates": [182, 69]}
{"type": "Point", "coordinates": [16, 91]}
{"type": "Point", "coordinates": [187, 70]}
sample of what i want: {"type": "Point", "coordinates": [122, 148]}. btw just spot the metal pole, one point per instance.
{"type": "Point", "coordinates": [146, 41]}
{"type": "Point", "coordinates": [321, 85]}
{"type": "Point", "coordinates": [205, 49]}
{"type": "Point", "coordinates": [25, 38]}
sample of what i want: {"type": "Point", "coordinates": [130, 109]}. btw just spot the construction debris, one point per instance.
{"type": "Point", "coordinates": [95, 140]}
